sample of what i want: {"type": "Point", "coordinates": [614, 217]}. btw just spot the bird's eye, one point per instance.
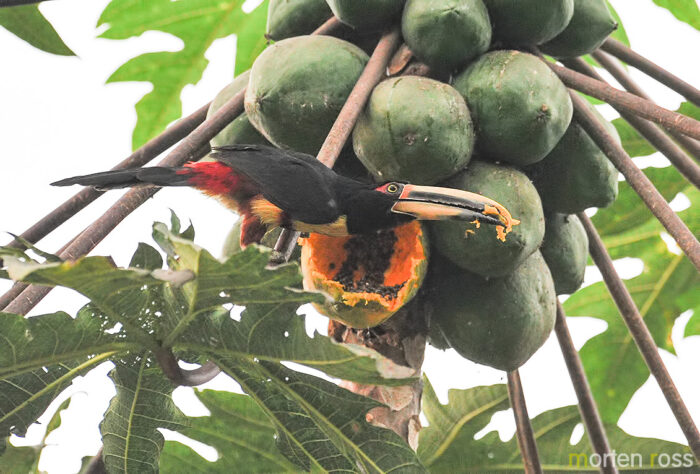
{"type": "Point", "coordinates": [392, 188]}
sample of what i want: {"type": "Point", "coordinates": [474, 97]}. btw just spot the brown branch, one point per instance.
{"type": "Point", "coordinates": [622, 76]}
{"type": "Point", "coordinates": [526, 437]}
{"type": "Point", "coordinates": [637, 180]}
{"type": "Point", "coordinates": [140, 157]}
{"type": "Point", "coordinates": [641, 335]}
{"type": "Point", "coordinates": [628, 102]}
{"type": "Point", "coordinates": [586, 403]}
{"type": "Point", "coordinates": [624, 53]}
{"type": "Point", "coordinates": [646, 129]}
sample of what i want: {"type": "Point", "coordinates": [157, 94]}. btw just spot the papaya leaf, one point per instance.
{"type": "Point", "coordinates": [629, 211]}
{"type": "Point", "coordinates": [21, 459]}
{"type": "Point", "coordinates": [685, 10]}
{"type": "Point", "coordinates": [18, 459]}
{"type": "Point", "coordinates": [666, 288]}
{"type": "Point", "coordinates": [320, 426]}
{"type": "Point", "coordinates": [448, 442]}
{"type": "Point", "coordinates": [143, 403]}
{"type": "Point", "coordinates": [275, 333]}
{"type": "Point", "coordinates": [243, 279]}
{"type": "Point", "coordinates": [469, 411]}
{"type": "Point", "coordinates": [27, 22]}
{"type": "Point", "coordinates": [122, 295]}
{"type": "Point", "coordinates": [239, 430]}
{"type": "Point", "coordinates": [198, 23]}
{"type": "Point", "coordinates": [40, 356]}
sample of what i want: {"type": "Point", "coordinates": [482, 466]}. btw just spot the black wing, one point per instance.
{"type": "Point", "coordinates": [295, 182]}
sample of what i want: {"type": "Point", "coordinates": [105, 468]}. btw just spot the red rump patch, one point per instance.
{"type": "Point", "coordinates": [212, 177]}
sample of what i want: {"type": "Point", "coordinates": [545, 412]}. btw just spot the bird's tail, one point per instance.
{"type": "Point", "coordinates": [156, 175]}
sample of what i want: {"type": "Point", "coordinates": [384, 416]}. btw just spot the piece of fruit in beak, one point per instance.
{"type": "Point", "coordinates": [434, 203]}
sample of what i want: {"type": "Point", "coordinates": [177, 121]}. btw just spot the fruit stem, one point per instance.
{"type": "Point", "coordinates": [649, 131]}
{"type": "Point", "coordinates": [628, 102]}
{"type": "Point", "coordinates": [653, 70]}
{"type": "Point", "coordinates": [586, 403]}
{"type": "Point", "coordinates": [640, 333]}
{"type": "Point", "coordinates": [636, 179]}
{"type": "Point", "coordinates": [526, 437]}
{"type": "Point", "coordinates": [615, 68]}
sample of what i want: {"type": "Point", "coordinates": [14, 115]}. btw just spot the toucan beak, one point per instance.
{"type": "Point", "coordinates": [434, 203]}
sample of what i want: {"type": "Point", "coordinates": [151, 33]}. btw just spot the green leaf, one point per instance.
{"type": "Point", "coordinates": [275, 333]}
{"type": "Point", "coordinates": [23, 459]}
{"type": "Point", "coordinates": [27, 22]}
{"type": "Point", "coordinates": [448, 441]}
{"type": "Point", "coordinates": [321, 426]}
{"type": "Point", "coordinates": [18, 459]}
{"type": "Point", "coordinates": [122, 295]}
{"type": "Point", "coordinates": [469, 411]}
{"type": "Point", "coordinates": [40, 356]}
{"type": "Point", "coordinates": [198, 23]}
{"type": "Point", "coordinates": [239, 430]}
{"type": "Point", "coordinates": [243, 279]}
{"type": "Point", "coordinates": [143, 403]}
{"type": "Point", "coordinates": [666, 288]}
{"type": "Point", "coordinates": [685, 10]}
{"type": "Point", "coordinates": [629, 211]}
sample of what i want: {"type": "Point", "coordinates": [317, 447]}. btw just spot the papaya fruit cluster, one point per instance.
{"type": "Point", "coordinates": [490, 119]}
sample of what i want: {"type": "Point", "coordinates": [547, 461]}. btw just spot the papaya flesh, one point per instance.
{"type": "Point", "coordinates": [519, 106]}
{"type": "Point", "coordinates": [576, 175]}
{"type": "Point", "coordinates": [367, 278]}
{"type": "Point", "coordinates": [475, 247]}
{"type": "Point", "coordinates": [287, 18]}
{"type": "Point", "coordinates": [565, 249]}
{"type": "Point", "coordinates": [414, 129]}
{"type": "Point", "coordinates": [528, 21]}
{"type": "Point", "coordinates": [297, 88]}
{"type": "Point", "coordinates": [590, 26]}
{"type": "Point", "coordinates": [499, 322]}
{"type": "Point", "coordinates": [240, 131]}
{"type": "Point", "coordinates": [367, 14]}
{"type": "Point", "coordinates": [446, 34]}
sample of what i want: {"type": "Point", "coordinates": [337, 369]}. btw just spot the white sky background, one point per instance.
{"type": "Point", "coordinates": [58, 119]}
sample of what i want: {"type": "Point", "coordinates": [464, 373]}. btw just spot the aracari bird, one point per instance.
{"type": "Point", "coordinates": [268, 186]}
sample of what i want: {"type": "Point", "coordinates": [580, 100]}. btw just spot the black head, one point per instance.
{"type": "Point", "coordinates": [368, 208]}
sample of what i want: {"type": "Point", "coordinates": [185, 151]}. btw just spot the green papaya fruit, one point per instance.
{"type": "Point", "coordinates": [499, 322]}
{"type": "Point", "coordinates": [367, 14]}
{"type": "Point", "coordinates": [414, 129]}
{"type": "Point", "coordinates": [520, 107]}
{"type": "Point", "coordinates": [576, 175]}
{"type": "Point", "coordinates": [528, 21]}
{"type": "Point", "coordinates": [240, 131]}
{"type": "Point", "coordinates": [298, 86]}
{"type": "Point", "coordinates": [287, 18]}
{"type": "Point", "coordinates": [446, 34]}
{"type": "Point", "coordinates": [590, 26]}
{"type": "Point", "coordinates": [565, 249]}
{"type": "Point", "coordinates": [477, 249]}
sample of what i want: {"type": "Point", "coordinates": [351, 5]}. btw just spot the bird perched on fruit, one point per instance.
{"type": "Point", "coordinates": [272, 187]}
